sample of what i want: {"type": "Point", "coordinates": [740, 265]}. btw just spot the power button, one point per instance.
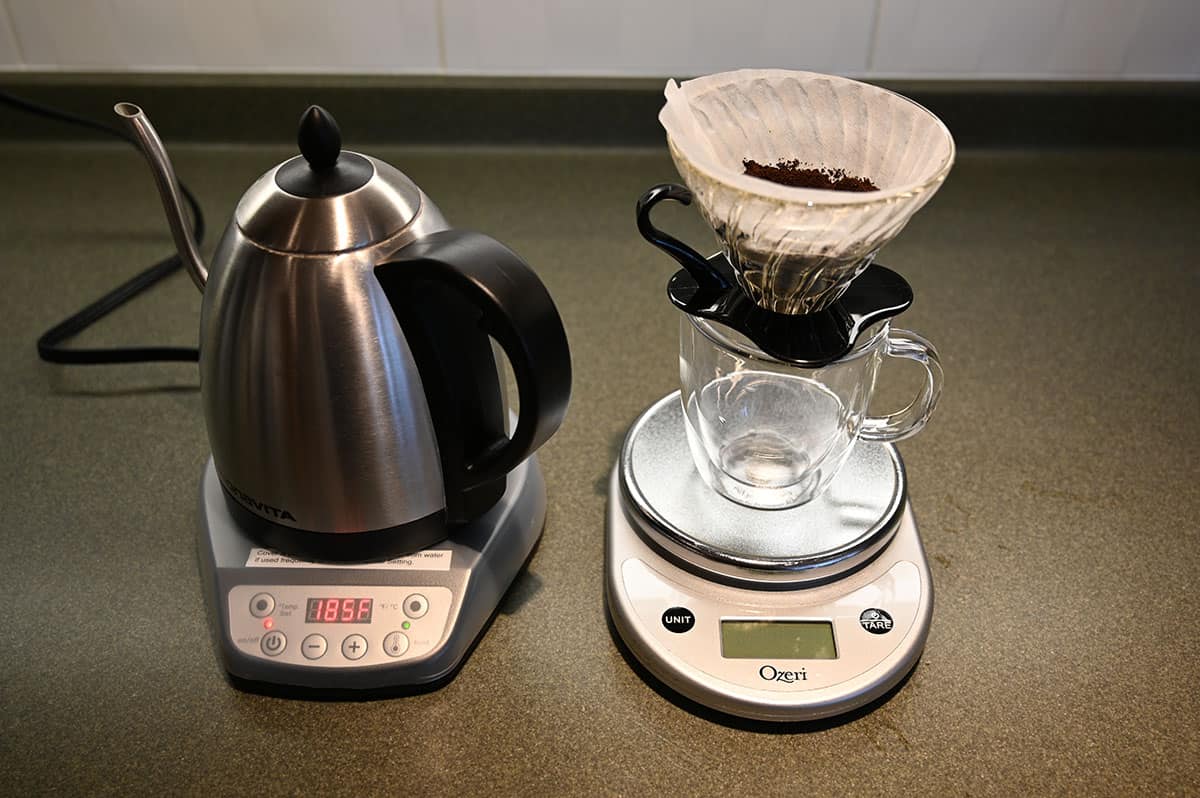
{"type": "Point", "coordinates": [273, 643]}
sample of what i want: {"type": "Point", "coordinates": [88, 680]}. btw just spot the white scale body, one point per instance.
{"type": "Point", "coordinates": [716, 611]}
{"type": "Point", "coordinates": [408, 622]}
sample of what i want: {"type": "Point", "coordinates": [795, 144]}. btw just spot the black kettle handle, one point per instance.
{"type": "Point", "coordinates": [516, 310]}
{"type": "Point", "coordinates": [696, 264]}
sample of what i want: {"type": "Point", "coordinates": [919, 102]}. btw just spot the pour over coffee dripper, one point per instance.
{"type": "Point", "coordinates": [783, 333]}
{"type": "Point", "coordinates": [796, 250]}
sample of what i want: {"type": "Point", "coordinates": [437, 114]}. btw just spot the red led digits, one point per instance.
{"type": "Point", "coordinates": [338, 610]}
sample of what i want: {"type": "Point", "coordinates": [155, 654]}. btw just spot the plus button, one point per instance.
{"type": "Point", "coordinates": [354, 647]}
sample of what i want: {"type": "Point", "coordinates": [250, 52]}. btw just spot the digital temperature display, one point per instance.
{"type": "Point", "coordinates": [338, 610]}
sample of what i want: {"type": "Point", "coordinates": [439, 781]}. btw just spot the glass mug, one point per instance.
{"type": "Point", "coordinates": [770, 434]}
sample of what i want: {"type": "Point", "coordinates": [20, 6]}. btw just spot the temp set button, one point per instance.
{"type": "Point", "coordinates": [262, 605]}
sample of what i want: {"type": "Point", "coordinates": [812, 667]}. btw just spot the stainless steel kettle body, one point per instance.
{"type": "Point", "coordinates": [314, 406]}
{"type": "Point", "coordinates": [349, 389]}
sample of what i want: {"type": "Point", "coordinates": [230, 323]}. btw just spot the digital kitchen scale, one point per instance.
{"type": "Point", "coordinates": [777, 615]}
{"type": "Point", "coordinates": [405, 622]}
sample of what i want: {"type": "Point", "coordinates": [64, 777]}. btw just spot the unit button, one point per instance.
{"type": "Point", "coordinates": [314, 647]}
{"type": "Point", "coordinates": [262, 605]}
{"type": "Point", "coordinates": [678, 620]}
{"type": "Point", "coordinates": [395, 644]}
{"type": "Point", "coordinates": [273, 643]}
{"type": "Point", "coordinates": [354, 647]}
{"type": "Point", "coordinates": [416, 605]}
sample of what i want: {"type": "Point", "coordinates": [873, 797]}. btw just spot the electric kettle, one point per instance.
{"type": "Point", "coordinates": [350, 388]}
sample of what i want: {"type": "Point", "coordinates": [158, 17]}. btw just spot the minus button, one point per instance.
{"type": "Point", "coordinates": [314, 647]}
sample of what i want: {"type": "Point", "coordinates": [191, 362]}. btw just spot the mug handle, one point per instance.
{"type": "Point", "coordinates": [909, 421]}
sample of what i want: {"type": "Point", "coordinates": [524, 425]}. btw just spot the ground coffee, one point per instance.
{"type": "Point", "coordinates": [791, 173]}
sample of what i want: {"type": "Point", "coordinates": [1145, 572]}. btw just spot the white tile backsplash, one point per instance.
{"type": "Point", "coordinates": [886, 38]}
{"type": "Point", "coordinates": [223, 34]}
{"type": "Point", "coordinates": [927, 36]}
{"type": "Point", "coordinates": [1093, 35]}
{"type": "Point", "coordinates": [67, 33]}
{"type": "Point", "coordinates": [157, 34]}
{"type": "Point", "coordinates": [269, 35]}
{"type": "Point", "coordinates": [1166, 41]}
{"type": "Point", "coordinates": [1020, 38]}
{"type": "Point", "coordinates": [952, 37]}
{"type": "Point", "coordinates": [350, 35]}
{"type": "Point", "coordinates": [10, 54]}
{"type": "Point", "coordinates": [665, 37]}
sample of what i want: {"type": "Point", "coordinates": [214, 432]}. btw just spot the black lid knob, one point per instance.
{"type": "Point", "coordinates": [319, 138]}
{"type": "Point", "coordinates": [325, 170]}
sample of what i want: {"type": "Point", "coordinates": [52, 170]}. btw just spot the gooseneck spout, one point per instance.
{"type": "Point", "coordinates": [168, 188]}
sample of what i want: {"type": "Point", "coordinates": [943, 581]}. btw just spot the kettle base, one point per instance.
{"type": "Point", "coordinates": [331, 629]}
{"type": "Point", "coordinates": [348, 547]}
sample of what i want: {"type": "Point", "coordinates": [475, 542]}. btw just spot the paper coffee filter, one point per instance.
{"type": "Point", "coordinates": [795, 250]}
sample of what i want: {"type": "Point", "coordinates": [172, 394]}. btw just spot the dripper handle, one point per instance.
{"type": "Point", "coordinates": [696, 264]}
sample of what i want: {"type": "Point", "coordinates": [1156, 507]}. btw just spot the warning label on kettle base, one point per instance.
{"type": "Point", "coordinates": [429, 560]}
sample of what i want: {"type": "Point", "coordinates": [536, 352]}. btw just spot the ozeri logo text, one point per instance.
{"type": "Point", "coordinates": [770, 673]}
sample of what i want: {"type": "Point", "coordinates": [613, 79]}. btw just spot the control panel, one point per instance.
{"type": "Point", "coordinates": [338, 626]}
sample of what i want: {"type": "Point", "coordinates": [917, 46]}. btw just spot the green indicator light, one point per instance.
{"type": "Point", "coordinates": [406, 625]}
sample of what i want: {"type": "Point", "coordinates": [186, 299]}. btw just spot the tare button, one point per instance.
{"type": "Point", "coordinates": [876, 621]}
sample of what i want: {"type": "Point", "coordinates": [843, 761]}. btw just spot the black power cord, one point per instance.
{"type": "Point", "coordinates": [49, 345]}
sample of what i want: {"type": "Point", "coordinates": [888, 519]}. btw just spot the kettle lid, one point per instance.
{"type": "Point", "coordinates": [327, 199]}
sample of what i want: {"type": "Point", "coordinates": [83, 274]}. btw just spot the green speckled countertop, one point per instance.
{"type": "Point", "coordinates": [1056, 489]}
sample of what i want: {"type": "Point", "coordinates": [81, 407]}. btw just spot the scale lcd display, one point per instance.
{"type": "Point", "coordinates": [777, 640]}
{"type": "Point", "coordinates": [338, 610]}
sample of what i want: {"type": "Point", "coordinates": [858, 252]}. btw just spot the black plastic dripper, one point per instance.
{"type": "Point", "coordinates": [810, 339]}
{"type": "Point", "coordinates": [708, 289]}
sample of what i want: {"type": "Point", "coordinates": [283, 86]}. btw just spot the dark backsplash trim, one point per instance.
{"type": "Point", "coordinates": [460, 111]}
